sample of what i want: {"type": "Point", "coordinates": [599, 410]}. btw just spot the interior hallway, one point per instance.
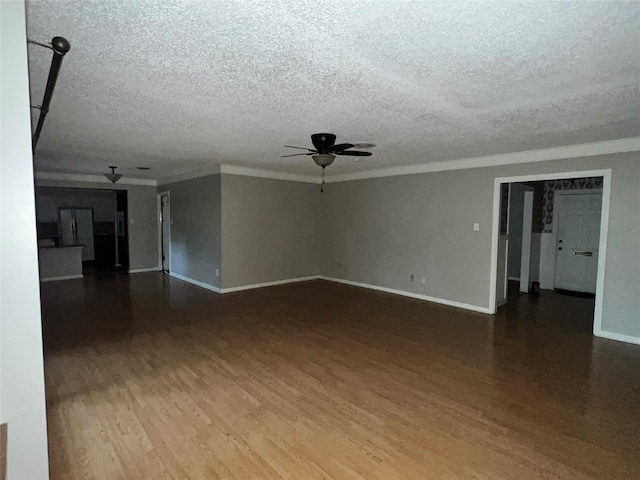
{"type": "Point", "coordinates": [150, 377]}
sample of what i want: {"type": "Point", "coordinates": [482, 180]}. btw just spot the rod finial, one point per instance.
{"type": "Point", "coordinates": [60, 45]}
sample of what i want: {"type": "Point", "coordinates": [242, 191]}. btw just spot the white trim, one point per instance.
{"type": "Point", "coordinates": [78, 177]}
{"type": "Point", "coordinates": [203, 172]}
{"type": "Point", "coordinates": [195, 282]}
{"type": "Point", "coordinates": [270, 284]}
{"type": "Point", "coordinates": [144, 270]}
{"type": "Point", "coordinates": [514, 279]}
{"type": "Point", "coordinates": [242, 171]}
{"type": "Point", "coordinates": [604, 230]}
{"type": "Point", "coordinates": [418, 296]}
{"type": "Point", "coordinates": [623, 145]}
{"type": "Point", "coordinates": [66, 277]}
{"type": "Point", "coordinates": [570, 151]}
{"type": "Point", "coordinates": [254, 172]}
{"type": "Point", "coordinates": [617, 336]}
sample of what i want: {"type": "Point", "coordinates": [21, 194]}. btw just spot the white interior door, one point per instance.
{"type": "Point", "coordinates": [503, 248]}
{"type": "Point", "coordinates": [577, 223]}
{"type": "Point", "coordinates": [84, 233]}
{"type": "Point", "coordinates": [165, 217]}
{"type": "Point", "coordinates": [501, 290]}
{"type": "Point", "coordinates": [527, 231]}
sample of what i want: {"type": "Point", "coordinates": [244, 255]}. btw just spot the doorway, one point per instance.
{"type": "Point", "coordinates": [549, 243]}
{"type": "Point", "coordinates": [164, 232]}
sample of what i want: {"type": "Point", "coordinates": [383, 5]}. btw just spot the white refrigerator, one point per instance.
{"type": "Point", "coordinates": [76, 228]}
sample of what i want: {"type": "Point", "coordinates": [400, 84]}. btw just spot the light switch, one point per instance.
{"type": "Point", "coordinates": [131, 221]}
{"type": "Point", "coordinates": [476, 227]}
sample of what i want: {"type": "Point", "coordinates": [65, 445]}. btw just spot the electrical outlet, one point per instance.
{"type": "Point", "coordinates": [217, 272]}
{"type": "Point", "coordinates": [476, 227]}
{"type": "Point", "coordinates": [412, 277]}
{"type": "Point", "coordinates": [424, 280]}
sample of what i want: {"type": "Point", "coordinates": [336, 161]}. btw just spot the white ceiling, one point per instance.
{"type": "Point", "coordinates": [179, 86]}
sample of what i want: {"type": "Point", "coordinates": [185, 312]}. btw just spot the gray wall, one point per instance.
{"type": "Point", "coordinates": [195, 231]}
{"type": "Point", "coordinates": [379, 231]}
{"type": "Point", "coordinates": [270, 230]}
{"type": "Point", "coordinates": [143, 232]}
{"type": "Point", "coordinates": [49, 200]}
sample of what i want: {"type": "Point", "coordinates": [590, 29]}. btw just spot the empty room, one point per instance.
{"type": "Point", "coordinates": [319, 240]}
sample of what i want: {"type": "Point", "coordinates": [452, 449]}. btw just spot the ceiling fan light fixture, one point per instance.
{"type": "Point", "coordinates": [113, 176]}
{"type": "Point", "coordinates": [323, 159]}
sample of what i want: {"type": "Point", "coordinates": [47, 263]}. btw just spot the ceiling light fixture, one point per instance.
{"type": "Point", "coordinates": [113, 176]}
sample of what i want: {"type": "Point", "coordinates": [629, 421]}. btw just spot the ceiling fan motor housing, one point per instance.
{"type": "Point", "coordinates": [322, 141]}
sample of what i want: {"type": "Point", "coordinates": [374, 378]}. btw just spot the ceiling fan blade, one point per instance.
{"type": "Point", "coordinates": [298, 154]}
{"type": "Point", "coordinates": [300, 148]}
{"type": "Point", "coordinates": [354, 153]}
{"type": "Point", "coordinates": [340, 147]}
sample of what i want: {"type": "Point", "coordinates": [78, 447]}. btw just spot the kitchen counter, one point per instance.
{"type": "Point", "coordinates": [60, 262]}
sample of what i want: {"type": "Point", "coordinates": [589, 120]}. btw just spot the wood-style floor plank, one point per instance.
{"type": "Point", "coordinates": [150, 377]}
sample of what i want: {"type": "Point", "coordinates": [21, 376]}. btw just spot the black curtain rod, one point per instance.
{"type": "Point", "coordinates": [60, 46]}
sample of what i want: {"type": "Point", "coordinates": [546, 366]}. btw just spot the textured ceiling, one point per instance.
{"type": "Point", "coordinates": [179, 86]}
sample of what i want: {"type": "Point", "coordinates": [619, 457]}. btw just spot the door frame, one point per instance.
{"type": "Point", "coordinates": [604, 230]}
{"type": "Point", "coordinates": [554, 233]}
{"type": "Point", "coordinates": [160, 239]}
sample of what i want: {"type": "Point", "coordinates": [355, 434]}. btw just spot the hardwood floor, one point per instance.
{"type": "Point", "coordinates": [149, 377]}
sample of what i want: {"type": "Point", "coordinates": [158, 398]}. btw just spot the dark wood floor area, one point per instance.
{"type": "Point", "coordinates": [149, 377]}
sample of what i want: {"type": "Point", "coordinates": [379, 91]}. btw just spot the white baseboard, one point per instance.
{"type": "Point", "coordinates": [143, 270]}
{"type": "Point", "coordinates": [419, 296]}
{"type": "Point", "coordinates": [241, 287]}
{"type": "Point", "coordinates": [195, 282]}
{"type": "Point", "coordinates": [514, 279]}
{"type": "Point", "coordinates": [66, 277]}
{"type": "Point", "coordinates": [617, 336]}
{"type": "Point", "coordinates": [270, 284]}
{"type": "Point", "coordinates": [441, 301]}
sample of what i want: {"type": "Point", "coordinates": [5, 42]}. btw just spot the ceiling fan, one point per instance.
{"type": "Point", "coordinates": [326, 150]}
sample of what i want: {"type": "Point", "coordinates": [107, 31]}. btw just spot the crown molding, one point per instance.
{"type": "Point", "coordinates": [254, 172]}
{"type": "Point", "coordinates": [79, 177]}
{"type": "Point", "coordinates": [624, 145]}
{"type": "Point", "coordinates": [203, 172]}
{"type": "Point", "coordinates": [242, 171]}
